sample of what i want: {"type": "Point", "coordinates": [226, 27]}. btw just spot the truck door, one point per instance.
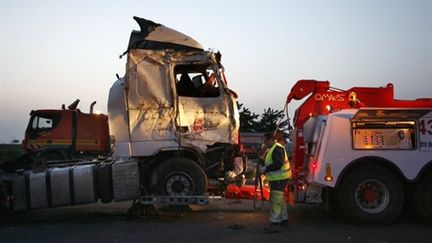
{"type": "Point", "coordinates": [150, 106]}
{"type": "Point", "coordinates": [49, 130]}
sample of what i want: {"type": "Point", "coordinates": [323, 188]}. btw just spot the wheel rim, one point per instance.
{"type": "Point", "coordinates": [179, 184]}
{"type": "Point", "coordinates": [372, 196]}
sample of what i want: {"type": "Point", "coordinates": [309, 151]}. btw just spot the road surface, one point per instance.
{"type": "Point", "coordinates": [221, 221]}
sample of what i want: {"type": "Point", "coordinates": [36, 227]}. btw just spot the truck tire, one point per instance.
{"type": "Point", "coordinates": [423, 197]}
{"type": "Point", "coordinates": [370, 195]}
{"type": "Point", "coordinates": [179, 177]}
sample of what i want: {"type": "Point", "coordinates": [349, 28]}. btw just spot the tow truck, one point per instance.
{"type": "Point", "coordinates": [362, 151]}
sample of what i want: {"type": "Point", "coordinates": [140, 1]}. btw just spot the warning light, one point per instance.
{"type": "Point", "coordinates": [314, 165]}
{"type": "Point", "coordinates": [352, 99]}
{"type": "Point", "coordinates": [328, 176]}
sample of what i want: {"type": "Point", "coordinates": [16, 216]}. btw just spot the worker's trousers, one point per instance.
{"type": "Point", "coordinates": [278, 211]}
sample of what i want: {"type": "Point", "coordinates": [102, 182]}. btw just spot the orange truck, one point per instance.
{"type": "Point", "coordinates": [66, 134]}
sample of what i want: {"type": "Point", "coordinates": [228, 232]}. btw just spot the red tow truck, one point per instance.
{"type": "Point", "coordinates": [362, 151]}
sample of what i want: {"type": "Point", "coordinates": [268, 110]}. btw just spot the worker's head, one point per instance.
{"type": "Point", "coordinates": [268, 139]}
{"type": "Point", "coordinates": [280, 137]}
{"type": "Point", "coordinates": [282, 141]}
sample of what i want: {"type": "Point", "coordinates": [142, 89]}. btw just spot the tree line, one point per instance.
{"type": "Point", "coordinates": [265, 122]}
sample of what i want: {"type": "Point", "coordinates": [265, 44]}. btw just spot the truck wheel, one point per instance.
{"type": "Point", "coordinates": [423, 198]}
{"type": "Point", "coordinates": [179, 177]}
{"type": "Point", "coordinates": [371, 195]}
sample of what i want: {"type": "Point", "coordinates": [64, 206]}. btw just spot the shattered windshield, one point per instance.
{"type": "Point", "coordinates": [196, 80]}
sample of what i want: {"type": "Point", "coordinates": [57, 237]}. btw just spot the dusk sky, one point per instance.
{"type": "Point", "coordinates": [52, 52]}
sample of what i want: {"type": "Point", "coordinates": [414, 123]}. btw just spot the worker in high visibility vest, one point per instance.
{"type": "Point", "coordinates": [278, 172]}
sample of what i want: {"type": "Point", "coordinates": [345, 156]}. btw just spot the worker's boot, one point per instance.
{"type": "Point", "coordinates": [276, 199]}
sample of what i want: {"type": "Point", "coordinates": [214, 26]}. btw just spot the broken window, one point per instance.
{"type": "Point", "coordinates": [197, 80]}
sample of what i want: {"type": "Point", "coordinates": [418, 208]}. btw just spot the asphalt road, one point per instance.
{"type": "Point", "coordinates": [212, 223]}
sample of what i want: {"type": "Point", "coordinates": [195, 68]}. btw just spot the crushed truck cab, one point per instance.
{"type": "Point", "coordinates": [172, 120]}
{"type": "Point", "coordinates": [166, 100]}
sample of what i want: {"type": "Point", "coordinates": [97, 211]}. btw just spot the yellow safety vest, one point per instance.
{"type": "Point", "coordinates": [285, 170]}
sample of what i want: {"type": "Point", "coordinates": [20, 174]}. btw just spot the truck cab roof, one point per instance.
{"type": "Point", "coordinates": [155, 36]}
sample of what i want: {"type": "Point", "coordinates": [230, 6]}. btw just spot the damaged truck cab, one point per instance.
{"type": "Point", "coordinates": [172, 122]}
{"type": "Point", "coordinates": [172, 107]}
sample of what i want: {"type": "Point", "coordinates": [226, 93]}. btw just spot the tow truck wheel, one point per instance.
{"type": "Point", "coordinates": [179, 177]}
{"type": "Point", "coordinates": [371, 195]}
{"type": "Point", "coordinates": [423, 197]}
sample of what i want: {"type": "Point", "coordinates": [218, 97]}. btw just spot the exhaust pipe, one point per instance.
{"type": "Point", "coordinates": [74, 105]}
{"type": "Point", "coordinates": [91, 106]}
